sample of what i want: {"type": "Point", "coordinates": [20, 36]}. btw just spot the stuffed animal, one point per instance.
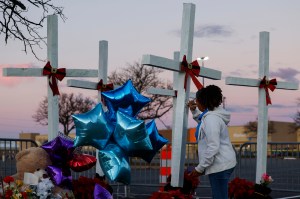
{"type": "Point", "coordinates": [31, 160]}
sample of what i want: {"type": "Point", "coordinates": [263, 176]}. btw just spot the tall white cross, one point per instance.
{"type": "Point", "coordinates": [181, 112]}
{"type": "Point", "coordinates": [52, 55]}
{"type": "Point", "coordinates": [262, 126]}
{"type": "Point", "coordinates": [102, 74]}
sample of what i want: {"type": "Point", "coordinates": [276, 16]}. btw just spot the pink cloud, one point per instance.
{"type": "Point", "coordinates": [13, 81]}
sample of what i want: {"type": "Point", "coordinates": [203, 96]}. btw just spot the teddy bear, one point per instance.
{"type": "Point", "coordinates": [31, 160]}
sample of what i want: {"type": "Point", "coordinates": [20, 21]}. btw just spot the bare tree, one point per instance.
{"type": "Point", "coordinates": [251, 127]}
{"type": "Point", "coordinates": [142, 78]}
{"type": "Point", "coordinates": [18, 23]}
{"type": "Point", "coordinates": [69, 104]}
{"type": "Point", "coordinates": [296, 125]}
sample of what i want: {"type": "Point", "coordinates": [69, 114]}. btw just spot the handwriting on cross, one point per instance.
{"type": "Point", "coordinates": [262, 126]}
{"type": "Point", "coordinates": [52, 55]}
{"type": "Point", "coordinates": [180, 111]}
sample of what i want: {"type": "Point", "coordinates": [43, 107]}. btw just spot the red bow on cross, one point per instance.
{"type": "Point", "coordinates": [268, 84]}
{"type": "Point", "coordinates": [54, 73]}
{"type": "Point", "coordinates": [192, 70]}
{"type": "Point", "coordinates": [104, 87]}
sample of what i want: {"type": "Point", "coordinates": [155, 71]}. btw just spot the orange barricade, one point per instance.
{"type": "Point", "coordinates": [165, 164]}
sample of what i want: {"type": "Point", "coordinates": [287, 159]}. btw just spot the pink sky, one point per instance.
{"type": "Point", "coordinates": [227, 33]}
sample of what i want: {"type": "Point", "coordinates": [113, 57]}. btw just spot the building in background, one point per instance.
{"type": "Point", "coordinates": [282, 133]}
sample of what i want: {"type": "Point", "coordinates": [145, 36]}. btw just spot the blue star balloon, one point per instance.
{"type": "Point", "coordinates": [92, 128]}
{"type": "Point", "coordinates": [125, 99]}
{"type": "Point", "coordinates": [157, 142]}
{"type": "Point", "coordinates": [114, 163]}
{"type": "Point", "coordinates": [130, 134]}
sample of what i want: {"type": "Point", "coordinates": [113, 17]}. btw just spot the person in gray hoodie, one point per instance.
{"type": "Point", "coordinates": [217, 158]}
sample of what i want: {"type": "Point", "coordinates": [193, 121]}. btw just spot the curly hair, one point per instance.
{"type": "Point", "coordinates": [210, 97]}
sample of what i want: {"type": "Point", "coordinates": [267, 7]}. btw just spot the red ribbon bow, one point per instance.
{"type": "Point", "coordinates": [104, 87]}
{"type": "Point", "coordinates": [192, 70]}
{"type": "Point", "coordinates": [266, 84]}
{"type": "Point", "coordinates": [54, 73]}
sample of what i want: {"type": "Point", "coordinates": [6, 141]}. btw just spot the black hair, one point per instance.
{"type": "Point", "coordinates": [210, 97]}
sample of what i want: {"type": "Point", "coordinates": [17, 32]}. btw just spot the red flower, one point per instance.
{"type": "Point", "coordinates": [24, 195]}
{"type": "Point", "coordinates": [240, 188]}
{"type": "Point", "coordinates": [8, 193]}
{"type": "Point", "coordinates": [8, 179]}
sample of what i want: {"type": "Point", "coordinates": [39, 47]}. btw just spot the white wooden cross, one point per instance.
{"type": "Point", "coordinates": [102, 74]}
{"type": "Point", "coordinates": [181, 112]}
{"type": "Point", "coordinates": [52, 56]}
{"type": "Point", "coordinates": [262, 126]}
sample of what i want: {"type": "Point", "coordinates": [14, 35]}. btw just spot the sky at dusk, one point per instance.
{"type": "Point", "coordinates": [227, 32]}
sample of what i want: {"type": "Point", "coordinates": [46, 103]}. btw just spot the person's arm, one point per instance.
{"type": "Point", "coordinates": [195, 111]}
{"type": "Point", "coordinates": [212, 129]}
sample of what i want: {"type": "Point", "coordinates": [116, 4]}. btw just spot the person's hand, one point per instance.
{"type": "Point", "coordinates": [192, 105]}
{"type": "Point", "coordinates": [195, 173]}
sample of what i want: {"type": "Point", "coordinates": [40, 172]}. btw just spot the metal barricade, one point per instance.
{"type": "Point", "coordinates": [283, 164]}
{"type": "Point", "coordinates": [8, 149]}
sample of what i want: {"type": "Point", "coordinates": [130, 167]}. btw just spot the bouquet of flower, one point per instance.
{"type": "Point", "coordinates": [262, 191]}
{"type": "Point", "coordinates": [11, 189]}
{"type": "Point", "coordinates": [243, 189]}
{"type": "Point", "coordinates": [84, 187]}
{"type": "Point", "coordinates": [240, 189]}
{"type": "Point", "coordinates": [186, 192]}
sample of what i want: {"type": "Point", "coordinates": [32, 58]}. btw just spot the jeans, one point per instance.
{"type": "Point", "coordinates": [219, 183]}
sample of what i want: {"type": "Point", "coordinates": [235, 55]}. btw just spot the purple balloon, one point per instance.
{"type": "Point", "coordinates": [101, 193]}
{"type": "Point", "coordinates": [59, 150]}
{"type": "Point", "coordinates": [60, 176]}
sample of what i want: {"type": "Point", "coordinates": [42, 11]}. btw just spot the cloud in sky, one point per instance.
{"type": "Point", "coordinates": [281, 106]}
{"type": "Point", "coordinates": [240, 109]}
{"type": "Point", "coordinates": [287, 74]}
{"type": "Point", "coordinates": [209, 31]}
{"type": "Point", "coordinates": [213, 31]}
{"type": "Point", "coordinates": [13, 81]}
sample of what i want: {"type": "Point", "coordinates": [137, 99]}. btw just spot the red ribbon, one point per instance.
{"type": "Point", "coordinates": [104, 87]}
{"type": "Point", "coordinates": [53, 74]}
{"type": "Point", "coordinates": [266, 84]}
{"type": "Point", "coordinates": [192, 70]}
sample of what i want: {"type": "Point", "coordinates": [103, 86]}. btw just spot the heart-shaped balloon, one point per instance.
{"type": "Point", "coordinates": [82, 162]}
